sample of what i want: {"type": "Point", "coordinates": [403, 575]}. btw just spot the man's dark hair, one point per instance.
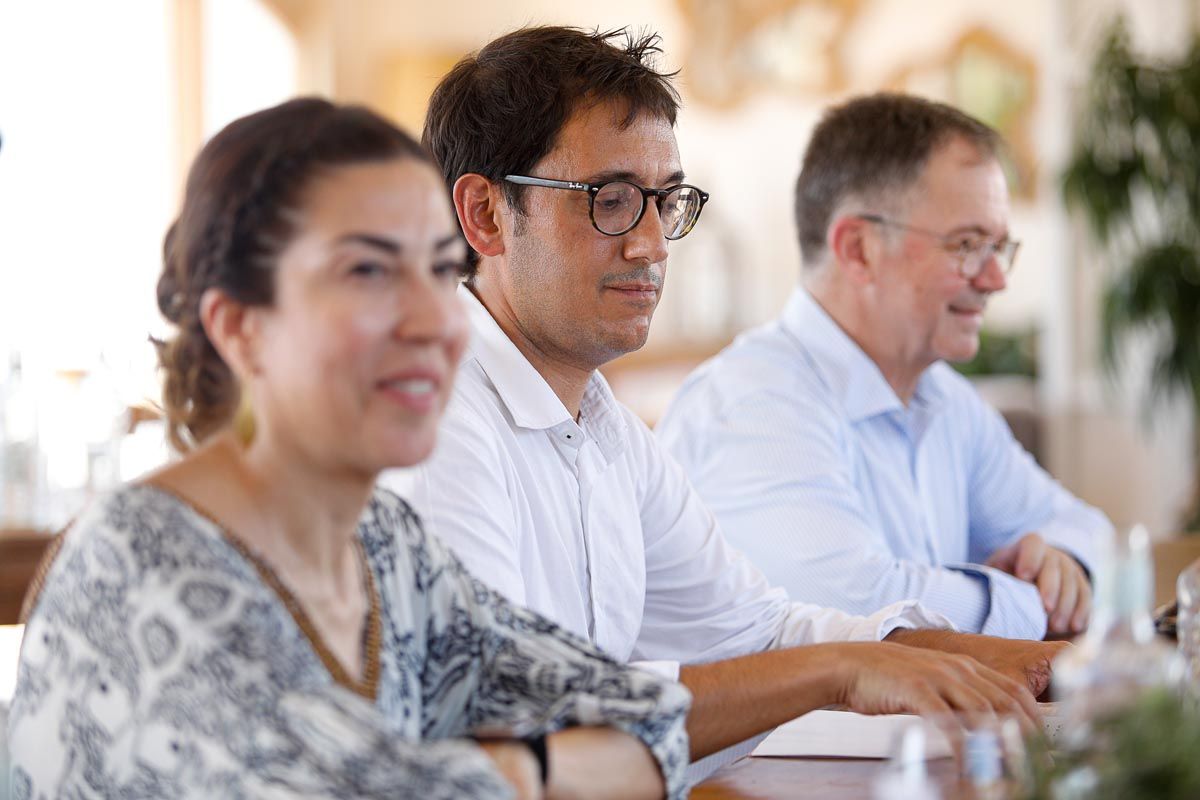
{"type": "Point", "coordinates": [871, 148]}
{"type": "Point", "coordinates": [499, 111]}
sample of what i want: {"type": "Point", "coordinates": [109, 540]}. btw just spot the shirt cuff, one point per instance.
{"type": "Point", "coordinates": [663, 669]}
{"type": "Point", "coordinates": [1015, 610]}
{"type": "Point", "coordinates": [904, 615]}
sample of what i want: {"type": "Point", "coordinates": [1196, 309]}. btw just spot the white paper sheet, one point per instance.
{"type": "Point", "coordinates": [844, 734]}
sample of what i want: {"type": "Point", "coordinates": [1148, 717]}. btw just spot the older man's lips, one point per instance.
{"type": "Point", "coordinates": [970, 314]}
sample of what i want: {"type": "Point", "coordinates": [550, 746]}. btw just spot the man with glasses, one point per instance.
{"type": "Point", "coordinates": [836, 447]}
{"type": "Point", "coordinates": [559, 149]}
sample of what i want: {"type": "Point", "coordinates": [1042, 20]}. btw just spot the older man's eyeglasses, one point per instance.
{"type": "Point", "coordinates": [972, 251]}
{"type": "Point", "coordinates": [616, 207]}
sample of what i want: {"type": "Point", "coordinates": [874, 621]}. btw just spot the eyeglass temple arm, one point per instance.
{"type": "Point", "coordinates": [553, 184]}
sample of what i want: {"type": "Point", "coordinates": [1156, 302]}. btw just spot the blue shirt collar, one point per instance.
{"type": "Point", "coordinates": [846, 369]}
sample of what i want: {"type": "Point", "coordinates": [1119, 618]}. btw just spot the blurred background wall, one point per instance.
{"type": "Point", "coordinates": [102, 106]}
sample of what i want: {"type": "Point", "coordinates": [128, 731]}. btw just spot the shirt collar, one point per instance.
{"type": "Point", "coordinates": [523, 390]}
{"type": "Point", "coordinates": [849, 371]}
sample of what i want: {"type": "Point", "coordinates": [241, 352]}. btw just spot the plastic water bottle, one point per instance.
{"type": "Point", "coordinates": [1120, 657]}
{"type": "Point", "coordinates": [906, 777]}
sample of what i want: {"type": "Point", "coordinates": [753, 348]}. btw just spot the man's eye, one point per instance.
{"type": "Point", "coordinates": [611, 203]}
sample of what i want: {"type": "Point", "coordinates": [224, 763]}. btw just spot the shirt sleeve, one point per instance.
{"type": "Point", "coordinates": [776, 473]}
{"type": "Point", "coordinates": [706, 601]}
{"type": "Point", "coordinates": [533, 675]}
{"type": "Point", "coordinates": [1010, 496]}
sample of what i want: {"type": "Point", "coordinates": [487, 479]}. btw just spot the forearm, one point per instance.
{"type": "Point", "coordinates": [601, 763]}
{"type": "Point", "coordinates": [735, 699]}
{"type": "Point", "coordinates": [946, 641]}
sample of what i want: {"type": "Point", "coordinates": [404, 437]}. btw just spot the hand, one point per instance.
{"type": "Point", "coordinates": [1062, 583]}
{"type": "Point", "coordinates": [517, 765]}
{"type": "Point", "coordinates": [894, 679]}
{"type": "Point", "coordinates": [1025, 661]}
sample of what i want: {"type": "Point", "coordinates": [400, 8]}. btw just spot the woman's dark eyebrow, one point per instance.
{"type": "Point", "coordinates": [389, 246]}
{"type": "Point", "coordinates": [392, 247]}
{"type": "Point", "coordinates": [446, 241]}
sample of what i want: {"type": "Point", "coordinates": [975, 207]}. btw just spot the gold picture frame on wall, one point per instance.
{"type": "Point", "coordinates": [992, 80]}
{"type": "Point", "coordinates": [738, 48]}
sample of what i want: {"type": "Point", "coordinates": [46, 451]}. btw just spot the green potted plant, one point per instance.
{"type": "Point", "coordinates": [1147, 751]}
{"type": "Point", "coordinates": [1135, 176]}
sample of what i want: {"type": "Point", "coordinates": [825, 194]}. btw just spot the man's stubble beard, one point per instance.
{"type": "Point", "coordinates": [534, 275]}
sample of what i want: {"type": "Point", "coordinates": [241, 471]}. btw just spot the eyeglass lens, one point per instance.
{"type": "Point", "coordinates": [973, 261]}
{"type": "Point", "coordinates": [617, 207]}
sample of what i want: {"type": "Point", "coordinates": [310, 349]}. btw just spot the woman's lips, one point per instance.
{"type": "Point", "coordinates": [417, 392]}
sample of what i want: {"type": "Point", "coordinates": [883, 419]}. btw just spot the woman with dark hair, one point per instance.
{"type": "Point", "coordinates": [257, 619]}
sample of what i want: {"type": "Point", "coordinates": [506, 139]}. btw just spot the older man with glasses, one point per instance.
{"type": "Point", "coordinates": [837, 448]}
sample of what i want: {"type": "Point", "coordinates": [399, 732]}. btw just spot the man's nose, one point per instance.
{"type": "Point", "coordinates": [991, 278]}
{"type": "Point", "coordinates": [647, 241]}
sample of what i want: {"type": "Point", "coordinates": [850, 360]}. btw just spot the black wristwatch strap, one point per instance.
{"type": "Point", "coordinates": [537, 745]}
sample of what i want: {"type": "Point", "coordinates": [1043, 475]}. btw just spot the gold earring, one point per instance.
{"type": "Point", "coordinates": [243, 419]}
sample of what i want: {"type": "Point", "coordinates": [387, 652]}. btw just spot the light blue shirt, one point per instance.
{"type": "Point", "coordinates": [845, 497]}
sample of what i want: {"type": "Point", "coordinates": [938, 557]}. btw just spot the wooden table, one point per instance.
{"type": "Point", "coordinates": [20, 553]}
{"type": "Point", "coordinates": [824, 778]}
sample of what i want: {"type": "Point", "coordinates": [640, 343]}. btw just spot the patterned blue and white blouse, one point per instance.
{"type": "Point", "coordinates": [162, 659]}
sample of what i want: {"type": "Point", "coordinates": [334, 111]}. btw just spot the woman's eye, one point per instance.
{"type": "Point", "coordinates": [368, 269]}
{"type": "Point", "coordinates": [450, 271]}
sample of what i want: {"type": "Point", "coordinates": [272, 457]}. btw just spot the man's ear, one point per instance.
{"type": "Point", "coordinates": [233, 330]}
{"type": "Point", "coordinates": [854, 248]}
{"type": "Point", "coordinates": [477, 202]}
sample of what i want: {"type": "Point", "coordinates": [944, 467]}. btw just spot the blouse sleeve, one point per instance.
{"type": "Point", "coordinates": [527, 673]}
{"type": "Point", "coordinates": [141, 675]}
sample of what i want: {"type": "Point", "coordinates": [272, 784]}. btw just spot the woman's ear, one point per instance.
{"type": "Point", "coordinates": [233, 330]}
{"type": "Point", "coordinates": [477, 202]}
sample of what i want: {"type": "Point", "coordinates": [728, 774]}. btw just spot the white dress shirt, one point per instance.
{"type": "Point", "coordinates": [846, 497]}
{"type": "Point", "coordinates": [591, 524]}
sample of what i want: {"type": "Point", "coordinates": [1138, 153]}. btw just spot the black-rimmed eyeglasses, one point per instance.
{"type": "Point", "coordinates": [616, 207]}
{"type": "Point", "coordinates": [973, 251]}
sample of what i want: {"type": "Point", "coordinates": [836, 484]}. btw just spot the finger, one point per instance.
{"type": "Point", "coordinates": [962, 688]}
{"type": "Point", "coordinates": [1009, 695]}
{"type": "Point", "coordinates": [1010, 698]}
{"type": "Point", "coordinates": [928, 703]}
{"type": "Point", "coordinates": [1004, 559]}
{"type": "Point", "coordinates": [1031, 555]}
{"type": "Point", "coordinates": [1083, 607]}
{"type": "Point", "coordinates": [1068, 597]}
{"type": "Point", "coordinates": [1049, 582]}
